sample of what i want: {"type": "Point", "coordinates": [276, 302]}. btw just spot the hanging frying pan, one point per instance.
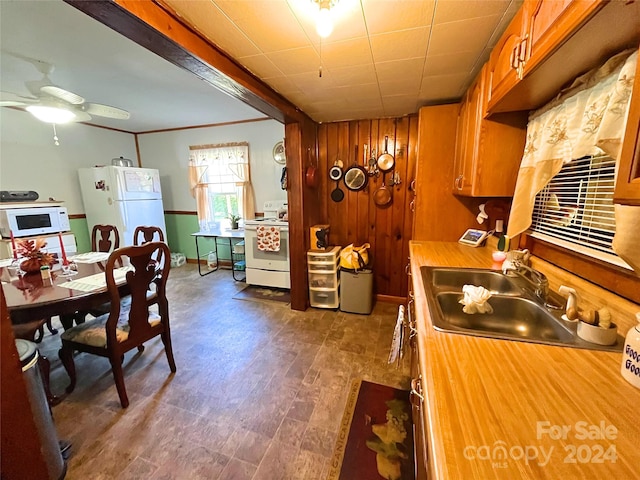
{"type": "Point", "coordinates": [382, 196]}
{"type": "Point", "coordinates": [311, 175]}
{"type": "Point", "coordinates": [337, 194]}
{"type": "Point", "coordinates": [386, 161]}
{"type": "Point", "coordinates": [355, 178]}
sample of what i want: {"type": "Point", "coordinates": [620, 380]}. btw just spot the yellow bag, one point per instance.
{"type": "Point", "coordinates": [355, 258]}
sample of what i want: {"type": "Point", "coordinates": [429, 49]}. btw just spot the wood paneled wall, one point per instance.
{"type": "Point", "coordinates": [357, 219]}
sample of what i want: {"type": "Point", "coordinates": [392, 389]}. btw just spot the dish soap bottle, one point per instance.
{"type": "Point", "coordinates": [631, 355]}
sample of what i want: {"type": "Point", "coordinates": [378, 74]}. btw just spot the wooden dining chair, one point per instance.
{"type": "Point", "coordinates": [126, 328]}
{"type": "Point", "coordinates": [144, 234]}
{"type": "Point", "coordinates": [108, 239]}
{"type": "Point", "coordinates": [104, 238]}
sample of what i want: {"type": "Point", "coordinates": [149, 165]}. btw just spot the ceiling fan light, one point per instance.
{"type": "Point", "coordinates": [51, 114]}
{"type": "Point", "coordinates": [324, 25]}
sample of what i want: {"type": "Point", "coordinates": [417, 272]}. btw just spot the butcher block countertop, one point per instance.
{"type": "Point", "coordinates": [509, 410]}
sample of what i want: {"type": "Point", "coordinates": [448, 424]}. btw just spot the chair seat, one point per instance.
{"type": "Point", "coordinates": [94, 332]}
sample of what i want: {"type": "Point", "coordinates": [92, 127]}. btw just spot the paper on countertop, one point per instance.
{"type": "Point", "coordinates": [90, 257]}
{"type": "Point", "coordinates": [97, 281]}
{"type": "Point", "coordinates": [475, 299]}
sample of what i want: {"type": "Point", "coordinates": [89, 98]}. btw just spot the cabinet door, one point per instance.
{"type": "Point", "coordinates": [418, 417]}
{"type": "Point", "coordinates": [546, 25]}
{"type": "Point", "coordinates": [504, 60]}
{"type": "Point", "coordinates": [464, 149]}
{"type": "Point", "coordinates": [628, 181]}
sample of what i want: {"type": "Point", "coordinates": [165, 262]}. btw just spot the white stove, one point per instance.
{"type": "Point", "coordinates": [266, 265]}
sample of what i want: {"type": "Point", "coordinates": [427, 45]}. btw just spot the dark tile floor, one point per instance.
{"type": "Point", "coordinates": [259, 392]}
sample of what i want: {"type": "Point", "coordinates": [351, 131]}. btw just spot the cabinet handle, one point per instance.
{"type": "Point", "coordinates": [513, 59]}
{"type": "Point", "coordinates": [523, 48]}
{"type": "Point", "coordinates": [459, 181]}
{"type": "Point", "coordinates": [407, 269]}
{"type": "Point", "coordinates": [412, 206]}
{"type": "Point", "coordinates": [416, 392]}
{"type": "Point", "coordinates": [412, 186]}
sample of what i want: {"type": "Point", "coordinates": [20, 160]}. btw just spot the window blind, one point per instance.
{"type": "Point", "coordinates": [576, 207]}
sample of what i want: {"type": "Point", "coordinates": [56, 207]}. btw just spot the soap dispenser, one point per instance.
{"type": "Point", "coordinates": [631, 355]}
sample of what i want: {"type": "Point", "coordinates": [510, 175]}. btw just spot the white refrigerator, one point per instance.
{"type": "Point", "coordinates": [122, 196]}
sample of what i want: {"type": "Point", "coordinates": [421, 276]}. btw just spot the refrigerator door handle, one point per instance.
{"type": "Point", "coordinates": [125, 215]}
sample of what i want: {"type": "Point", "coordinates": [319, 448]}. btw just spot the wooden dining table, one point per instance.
{"type": "Point", "coordinates": [31, 300]}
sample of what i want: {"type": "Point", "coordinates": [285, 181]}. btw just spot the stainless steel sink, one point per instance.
{"type": "Point", "coordinates": [513, 317]}
{"type": "Point", "coordinates": [517, 313]}
{"type": "Point", "coordinates": [492, 280]}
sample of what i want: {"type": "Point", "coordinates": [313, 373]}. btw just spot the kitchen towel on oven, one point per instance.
{"type": "Point", "coordinates": [268, 238]}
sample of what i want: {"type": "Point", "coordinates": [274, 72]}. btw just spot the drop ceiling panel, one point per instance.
{"type": "Point", "coordinates": [462, 36]}
{"type": "Point", "coordinates": [442, 87]}
{"type": "Point", "coordinates": [452, 11]}
{"type": "Point", "coordinates": [447, 64]}
{"type": "Point", "coordinates": [207, 16]}
{"type": "Point", "coordinates": [400, 44]}
{"type": "Point", "coordinates": [406, 14]}
{"type": "Point", "coordinates": [353, 52]}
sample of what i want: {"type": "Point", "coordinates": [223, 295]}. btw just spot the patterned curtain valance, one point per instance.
{"type": "Point", "coordinates": [589, 122]}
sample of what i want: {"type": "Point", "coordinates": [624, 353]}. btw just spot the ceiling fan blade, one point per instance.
{"type": "Point", "coordinates": [62, 94]}
{"type": "Point", "coordinates": [9, 99]}
{"type": "Point", "coordinates": [105, 111]}
{"type": "Point", "coordinates": [81, 116]}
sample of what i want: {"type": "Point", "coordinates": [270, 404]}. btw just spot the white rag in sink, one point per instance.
{"type": "Point", "coordinates": [475, 299]}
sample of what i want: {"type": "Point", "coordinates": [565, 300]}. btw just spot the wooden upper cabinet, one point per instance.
{"type": "Point", "coordinates": [488, 150]}
{"type": "Point", "coordinates": [545, 26]}
{"type": "Point", "coordinates": [628, 181]}
{"type": "Point", "coordinates": [550, 42]}
{"type": "Point", "coordinates": [467, 132]}
{"type": "Point", "coordinates": [504, 60]}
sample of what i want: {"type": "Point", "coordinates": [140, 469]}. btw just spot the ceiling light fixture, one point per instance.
{"type": "Point", "coordinates": [324, 25]}
{"type": "Point", "coordinates": [51, 114]}
{"type": "Point", "coordinates": [324, 22]}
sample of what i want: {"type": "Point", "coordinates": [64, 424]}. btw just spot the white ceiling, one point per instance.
{"type": "Point", "coordinates": [385, 58]}
{"type": "Point", "coordinates": [104, 67]}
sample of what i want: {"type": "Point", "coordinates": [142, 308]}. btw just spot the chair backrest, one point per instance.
{"type": "Point", "coordinates": [108, 240]}
{"type": "Point", "coordinates": [145, 234]}
{"type": "Point", "coordinates": [146, 279]}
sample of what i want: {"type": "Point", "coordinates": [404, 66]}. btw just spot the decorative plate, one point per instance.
{"type": "Point", "coordinates": [278, 153]}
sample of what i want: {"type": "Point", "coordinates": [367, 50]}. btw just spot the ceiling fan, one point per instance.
{"type": "Point", "coordinates": [53, 104]}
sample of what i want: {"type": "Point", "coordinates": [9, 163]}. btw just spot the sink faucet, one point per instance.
{"type": "Point", "coordinates": [535, 278]}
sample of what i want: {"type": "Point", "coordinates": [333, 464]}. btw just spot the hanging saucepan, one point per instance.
{"type": "Point", "coordinates": [386, 162]}
{"type": "Point", "coordinates": [382, 196]}
{"type": "Point", "coordinates": [311, 175]}
{"type": "Point", "coordinates": [355, 178]}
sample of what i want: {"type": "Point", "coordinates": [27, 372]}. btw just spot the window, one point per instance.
{"type": "Point", "coordinates": [575, 210]}
{"type": "Point", "coordinates": [220, 181]}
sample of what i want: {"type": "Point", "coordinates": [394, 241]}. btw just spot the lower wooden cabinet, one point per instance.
{"type": "Point", "coordinates": [418, 416]}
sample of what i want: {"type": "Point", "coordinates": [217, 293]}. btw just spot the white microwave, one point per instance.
{"type": "Point", "coordinates": [24, 222]}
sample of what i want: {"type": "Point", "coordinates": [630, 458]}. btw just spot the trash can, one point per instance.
{"type": "Point", "coordinates": [356, 291]}
{"type": "Point", "coordinates": [49, 444]}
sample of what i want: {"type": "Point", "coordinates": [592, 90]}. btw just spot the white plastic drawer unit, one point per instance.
{"type": "Point", "coordinates": [323, 280]}
{"type": "Point", "coordinates": [322, 267]}
{"type": "Point", "coordinates": [324, 298]}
